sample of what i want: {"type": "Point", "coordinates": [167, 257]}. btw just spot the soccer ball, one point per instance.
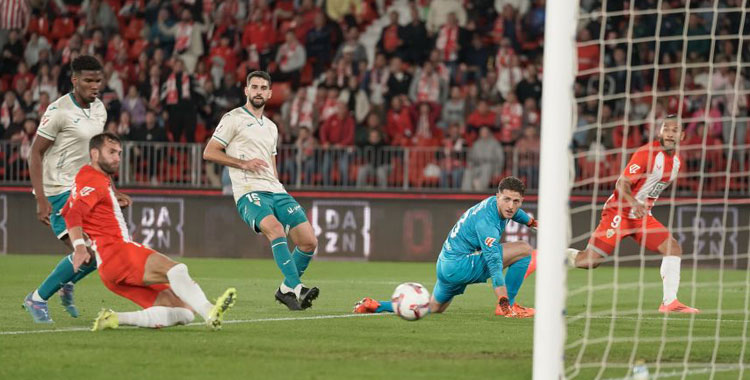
{"type": "Point", "coordinates": [411, 301]}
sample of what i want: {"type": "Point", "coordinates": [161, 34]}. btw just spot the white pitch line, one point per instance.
{"type": "Point", "coordinates": [695, 371]}
{"type": "Point", "coordinates": [236, 321]}
{"type": "Point", "coordinates": [662, 318]}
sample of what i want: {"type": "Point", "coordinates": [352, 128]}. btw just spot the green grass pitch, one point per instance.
{"type": "Point", "coordinates": [265, 341]}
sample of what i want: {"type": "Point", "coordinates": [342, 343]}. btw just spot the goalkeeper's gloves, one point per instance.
{"type": "Point", "coordinates": [533, 223]}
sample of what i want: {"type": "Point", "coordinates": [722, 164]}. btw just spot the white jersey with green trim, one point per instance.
{"type": "Point", "coordinates": [70, 127]}
{"type": "Point", "coordinates": [246, 137]}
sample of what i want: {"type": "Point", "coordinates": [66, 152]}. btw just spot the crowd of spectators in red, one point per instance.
{"type": "Point", "coordinates": [461, 79]}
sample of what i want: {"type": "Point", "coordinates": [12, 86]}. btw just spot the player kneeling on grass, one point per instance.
{"type": "Point", "coordinates": [472, 253]}
{"type": "Point", "coordinates": [153, 281]}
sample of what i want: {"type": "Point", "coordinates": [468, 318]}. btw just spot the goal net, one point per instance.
{"type": "Point", "coordinates": [637, 62]}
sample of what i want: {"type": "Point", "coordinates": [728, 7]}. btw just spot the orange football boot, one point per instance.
{"type": "Point", "coordinates": [677, 307]}
{"type": "Point", "coordinates": [523, 312]}
{"type": "Point", "coordinates": [503, 308]}
{"type": "Point", "coordinates": [366, 305]}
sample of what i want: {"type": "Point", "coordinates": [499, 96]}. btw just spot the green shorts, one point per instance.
{"type": "Point", "coordinates": [57, 222]}
{"type": "Point", "coordinates": [255, 206]}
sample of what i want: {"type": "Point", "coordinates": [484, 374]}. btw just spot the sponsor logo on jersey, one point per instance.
{"type": "Point", "coordinates": [489, 241]}
{"type": "Point", "coordinates": [610, 233]}
{"type": "Point", "coordinates": [634, 168]}
{"type": "Point", "coordinates": [291, 210]}
{"type": "Point", "coordinates": [86, 191]}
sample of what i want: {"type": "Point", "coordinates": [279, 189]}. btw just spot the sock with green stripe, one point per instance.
{"type": "Point", "coordinates": [285, 262]}
{"type": "Point", "coordinates": [385, 306]}
{"type": "Point", "coordinates": [301, 260]}
{"type": "Point", "coordinates": [61, 275]}
{"type": "Point", "coordinates": [84, 271]}
{"type": "Point", "coordinates": [514, 277]}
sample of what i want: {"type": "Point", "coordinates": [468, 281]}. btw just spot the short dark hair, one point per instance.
{"type": "Point", "coordinates": [98, 141]}
{"type": "Point", "coordinates": [259, 74]}
{"type": "Point", "coordinates": [513, 184]}
{"type": "Point", "coordinates": [671, 117]}
{"type": "Point", "coordinates": [85, 62]}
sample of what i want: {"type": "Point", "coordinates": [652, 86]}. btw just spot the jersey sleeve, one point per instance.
{"type": "Point", "coordinates": [224, 131]}
{"type": "Point", "coordinates": [492, 251]}
{"type": "Point", "coordinates": [637, 166]}
{"type": "Point", "coordinates": [83, 198]}
{"type": "Point", "coordinates": [51, 123]}
{"type": "Point", "coordinates": [522, 217]}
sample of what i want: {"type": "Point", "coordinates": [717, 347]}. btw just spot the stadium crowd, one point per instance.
{"type": "Point", "coordinates": [461, 79]}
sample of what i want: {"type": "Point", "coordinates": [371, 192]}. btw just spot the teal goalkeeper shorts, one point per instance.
{"type": "Point", "coordinates": [454, 274]}
{"type": "Point", "coordinates": [255, 206]}
{"type": "Point", "coordinates": [57, 222]}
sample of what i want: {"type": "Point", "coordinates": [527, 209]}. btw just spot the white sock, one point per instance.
{"type": "Point", "coordinates": [188, 291]}
{"type": "Point", "coordinates": [157, 316]}
{"type": "Point", "coordinates": [670, 276]}
{"type": "Point", "coordinates": [285, 289]}
{"type": "Point", "coordinates": [571, 254]}
{"type": "Point", "coordinates": [36, 297]}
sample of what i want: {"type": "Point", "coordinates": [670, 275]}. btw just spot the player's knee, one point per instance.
{"type": "Point", "coordinates": [436, 307]}
{"type": "Point", "coordinates": [672, 248]}
{"type": "Point", "coordinates": [309, 244]}
{"type": "Point", "coordinates": [525, 248]}
{"type": "Point", "coordinates": [272, 229]}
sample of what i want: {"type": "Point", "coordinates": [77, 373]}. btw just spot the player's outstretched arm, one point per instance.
{"type": "Point", "coordinates": [74, 212]}
{"type": "Point", "coordinates": [214, 152]}
{"type": "Point", "coordinates": [36, 170]}
{"type": "Point", "coordinates": [522, 217]}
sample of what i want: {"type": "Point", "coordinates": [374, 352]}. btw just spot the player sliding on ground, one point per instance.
{"type": "Point", "coordinates": [627, 213]}
{"type": "Point", "coordinates": [162, 287]}
{"type": "Point", "coordinates": [472, 253]}
{"type": "Point", "coordinates": [245, 141]}
{"type": "Point", "coordinates": [59, 150]}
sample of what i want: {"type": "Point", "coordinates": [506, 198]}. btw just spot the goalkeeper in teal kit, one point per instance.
{"type": "Point", "coordinates": [472, 254]}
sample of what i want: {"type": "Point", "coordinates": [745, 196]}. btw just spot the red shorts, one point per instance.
{"type": "Point", "coordinates": [613, 228]}
{"type": "Point", "coordinates": [122, 272]}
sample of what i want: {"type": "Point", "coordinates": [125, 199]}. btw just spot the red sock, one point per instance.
{"type": "Point", "coordinates": [532, 264]}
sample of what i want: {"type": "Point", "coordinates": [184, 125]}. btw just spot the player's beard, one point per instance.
{"type": "Point", "coordinates": [667, 148]}
{"type": "Point", "coordinates": [107, 167]}
{"type": "Point", "coordinates": [257, 102]}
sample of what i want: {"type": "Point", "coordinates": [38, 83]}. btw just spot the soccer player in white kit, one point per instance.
{"type": "Point", "coordinates": [245, 141]}
{"type": "Point", "coordinates": [59, 150]}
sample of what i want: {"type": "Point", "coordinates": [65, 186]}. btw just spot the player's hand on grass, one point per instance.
{"type": "Point", "coordinates": [81, 256]}
{"type": "Point", "coordinates": [123, 200]}
{"type": "Point", "coordinates": [253, 165]}
{"type": "Point", "coordinates": [43, 209]}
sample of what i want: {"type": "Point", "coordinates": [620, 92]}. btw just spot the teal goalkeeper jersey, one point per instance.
{"type": "Point", "coordinates": [478, 231]}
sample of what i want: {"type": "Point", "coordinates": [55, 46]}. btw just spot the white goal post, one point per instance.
{"type": "Point", "coordinates": [557, 124]}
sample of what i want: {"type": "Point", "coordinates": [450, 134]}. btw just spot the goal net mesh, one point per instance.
{"type": "Point", "coordinates": [639, 61]}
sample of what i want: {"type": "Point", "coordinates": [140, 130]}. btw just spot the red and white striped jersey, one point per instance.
{"type": "Point", "coordinates": [14, 14]}
{"type": "Point", "coordinates": [104, 223]}
{"type": "Point", "coordinates": [650, 170]}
